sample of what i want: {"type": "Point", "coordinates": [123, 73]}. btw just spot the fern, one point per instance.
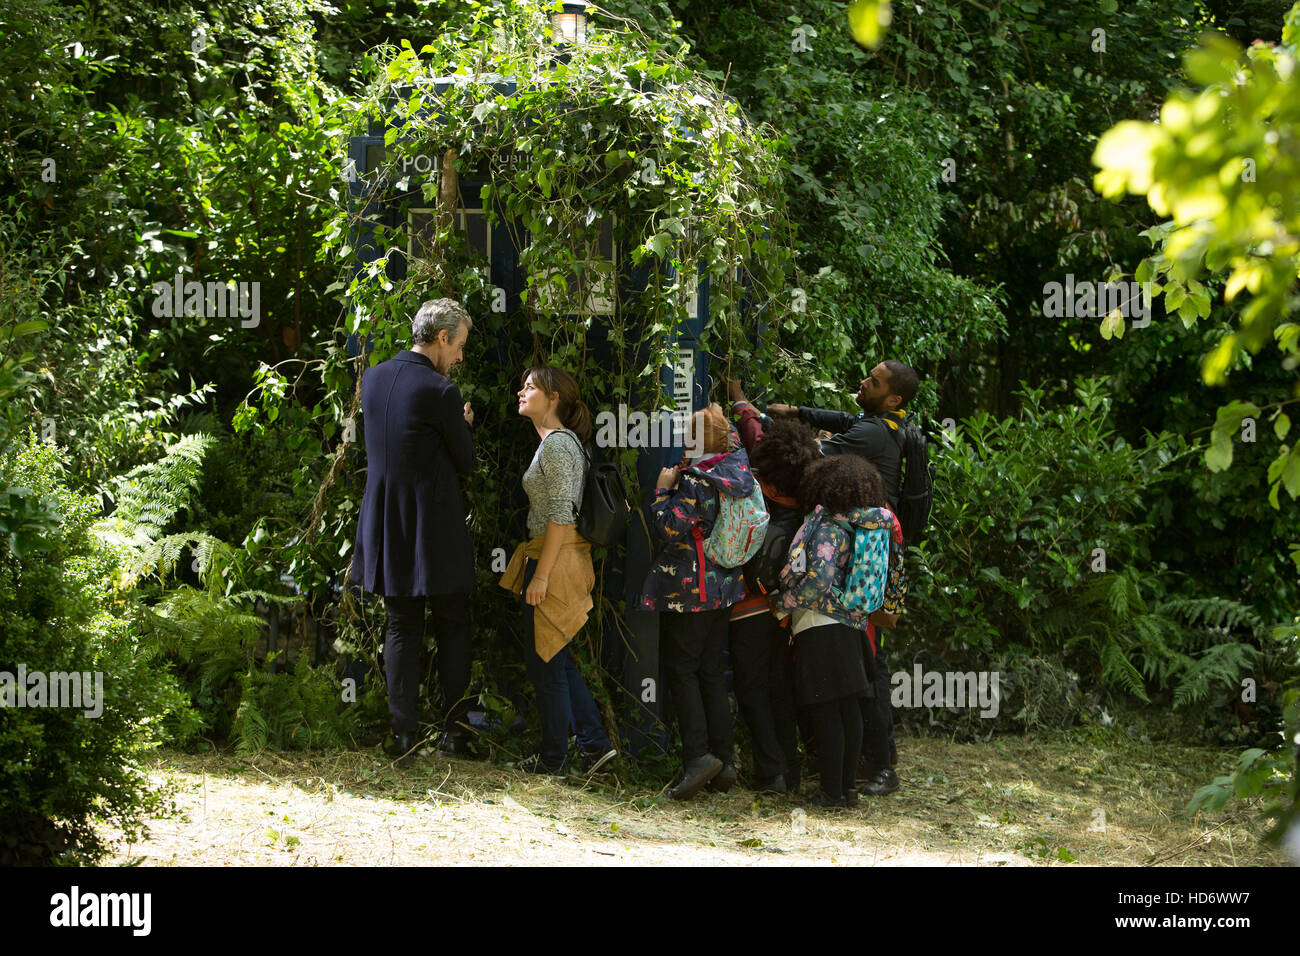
{"type": "Point", "coordinates": [148, 498]}
{"type": "Point", "coordinates": [1119, 670]}
{"type": "Point", "coordinates": [252, 727]}
{"type": "Point", "coordinates": [1221, 664]}
{"type": "Point", "coordinates": [299, 709]}
{"type": "Point", "coordinates": [1213, 612]}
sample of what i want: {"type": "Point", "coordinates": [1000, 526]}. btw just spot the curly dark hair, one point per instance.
{"type": "Point", "coordinates": [786, 451]}
{"type": "Point", "coordinates": [841, 483]}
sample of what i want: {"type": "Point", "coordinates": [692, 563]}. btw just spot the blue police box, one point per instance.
{"type": "Point", "coordinates": [631, 652]}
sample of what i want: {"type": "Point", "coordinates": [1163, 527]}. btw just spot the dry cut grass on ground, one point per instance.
{"type": "Point", "coordinates": [1009, 802]}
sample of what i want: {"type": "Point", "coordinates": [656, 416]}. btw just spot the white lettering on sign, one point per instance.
{"type": "Point", "coordinates": [683, 390]}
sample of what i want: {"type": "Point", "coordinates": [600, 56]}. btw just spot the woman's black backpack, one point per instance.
{"type": "Point", "coordinates": [602, 519]}
{"type": "Point", "coordinates": [763, 570]}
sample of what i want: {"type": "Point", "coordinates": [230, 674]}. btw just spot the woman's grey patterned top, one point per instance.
{"type": "Point", "coordinates": [554, 481]}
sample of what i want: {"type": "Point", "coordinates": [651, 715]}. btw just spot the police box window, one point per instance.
{"type": "Point", "coordinates": [589, 288]}
{"type": "Point", "coordinates": [420, 231]}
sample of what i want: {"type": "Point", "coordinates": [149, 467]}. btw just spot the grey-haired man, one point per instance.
{"type": "Point", "coordinates": [412, 544]}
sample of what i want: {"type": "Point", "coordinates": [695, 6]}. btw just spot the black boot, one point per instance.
{"type": "Point", "coordinates": [403, 746]}
{"type": "Point", "coordinates": [695, 774]}
{"type": "Point", "coordinates": [885, 782]}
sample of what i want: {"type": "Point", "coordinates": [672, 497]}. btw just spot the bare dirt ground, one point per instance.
{"type": "Point", "coordinates": [1011, 802]}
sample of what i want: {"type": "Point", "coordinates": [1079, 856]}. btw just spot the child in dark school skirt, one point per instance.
{"type": "Point", "coordinates": [833, 666]}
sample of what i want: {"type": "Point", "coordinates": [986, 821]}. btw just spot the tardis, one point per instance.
{"type": "Point", "coordinates": [631, 651]}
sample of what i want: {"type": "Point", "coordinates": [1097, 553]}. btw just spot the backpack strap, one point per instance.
{"type": "Point", "coordinates": [699, 557]}
{"type": "Point", "coordinates": [582, 449]}
{"type": "Point", "coordinates": [586, 470]}
{"type": "Point", "coordinates": [697, 531]}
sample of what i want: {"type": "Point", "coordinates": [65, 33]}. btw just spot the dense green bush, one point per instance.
{"type": "Point", "coordinates": [1037, 518]}
{"type": "Point", "coordinates": [1040, 567]}
{"type": "Point", "coordinates": [61, 771]}
{"type": "Point", "coordinates": [90, 395]}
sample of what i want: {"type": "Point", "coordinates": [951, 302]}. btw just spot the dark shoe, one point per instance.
{"type": "Point", "coordinates": [535, 764]}
{"type": "Point", "coordinates": [770, 784]}
{"type": "Point", "coordinates": [820, 798]}
{"type": "Point", "coordinates": [403, 747]}
{"type": "Point", "coordinates": [598, 761]}
{"type": "Point", "coordinates": [456, 743]}
{"type": "Point", "coordinates": [695, 774]}
{"type": "Point", "coordinates": [883, 783]}
{"type": "Point", "coordinates": [850, 798]}
{"type": "Point", "coordinates": [725, 780]}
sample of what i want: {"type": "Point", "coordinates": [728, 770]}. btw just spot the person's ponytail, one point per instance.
{"type": "Point", "coordinates": [578, 419]}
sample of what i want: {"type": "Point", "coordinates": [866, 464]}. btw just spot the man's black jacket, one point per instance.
{"type": "Point", "coordinates": [411, 534]}
{"type": "Point", "coordinates": [873, 436]}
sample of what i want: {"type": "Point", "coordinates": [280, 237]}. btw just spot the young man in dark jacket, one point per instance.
{"type": "Point", "coordinates": [412, 543]}
{"type": "Point", "coordinates": [872, 433]}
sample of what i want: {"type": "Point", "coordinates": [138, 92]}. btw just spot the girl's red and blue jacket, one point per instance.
{"type": "Point", "coordinates": [673, 583]}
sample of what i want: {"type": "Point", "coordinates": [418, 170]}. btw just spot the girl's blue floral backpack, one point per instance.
{"type": "Point", "coordinates": [808, 577]}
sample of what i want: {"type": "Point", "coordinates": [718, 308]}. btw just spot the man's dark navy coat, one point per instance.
{"type": "Point", "coordinates": [411, 534]}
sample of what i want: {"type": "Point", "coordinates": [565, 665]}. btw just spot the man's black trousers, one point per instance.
{"type": "Point", "coordinates": [404, 644]}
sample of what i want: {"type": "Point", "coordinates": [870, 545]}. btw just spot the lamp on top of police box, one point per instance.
{"type": "Point", "coordinates": [569, 24]}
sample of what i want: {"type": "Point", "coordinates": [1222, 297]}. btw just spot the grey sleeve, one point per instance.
{"type": "Point", "coordinates": [563, 469]}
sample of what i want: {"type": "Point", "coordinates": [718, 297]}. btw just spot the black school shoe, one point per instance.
{"type": "Point", "coordinates": [534, 764]}
{"type": "Point", "coordinates": [403, 747]}
{"type": "Point", "coordinates": [456, 743]}
{"type": "Point", "coordinates": [883, 783]}
{"type": "Point", "coordinates": [598, 761]}
{"type": "Point", "coordinates": [820, 798]}
{"type": "Point", "coordinates": [725, 780]}
{"type": "Point", "coordinates": [774, 784]}
{"type": "Point", "coordinates": [695, 774]}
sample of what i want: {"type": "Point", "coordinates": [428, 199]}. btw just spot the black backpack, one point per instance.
{"type": "Point", "coordinates": [916, 488]}
{"type": "Point", "coordinates": [602, 519]}
{"type": "Point", "coordinates": [763, 570]}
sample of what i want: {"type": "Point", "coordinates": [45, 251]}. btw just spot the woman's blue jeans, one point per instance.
{"type": "Point", "coordinates": [563, 700]}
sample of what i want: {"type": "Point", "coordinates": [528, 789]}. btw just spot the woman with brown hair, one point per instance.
{"type": "Point", "coordinates": [553, 570]}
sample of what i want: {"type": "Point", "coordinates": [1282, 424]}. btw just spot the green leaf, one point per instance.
{"type": "Point", "coordinates": [1219, 455]}
{"type": "Point", "coordinates": [27, 328]}
{"type": "Point", "coordinates": [1215, 61]}
{"type": "Point", "coordinates": [868, 20]}
{"type": "Point", "coordinates": [1281, 425]}
{"type": "Point", "coordinates": [1211, 797]}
